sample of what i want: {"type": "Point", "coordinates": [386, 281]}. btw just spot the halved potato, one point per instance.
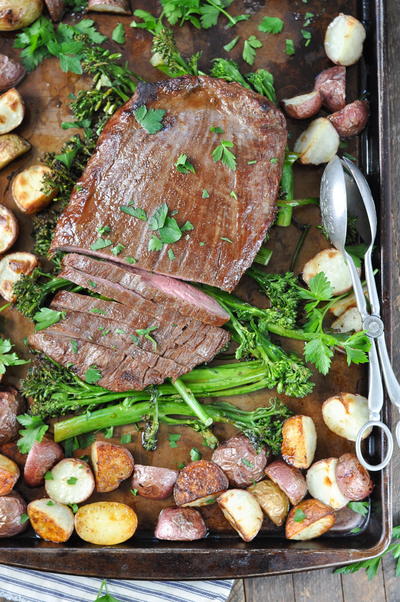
{"type": "Point", "coordinates": [352, 119]}
{"type": "Point", "coordinates": [120, 7]}
{"type": "Point", "coordinates": [242, 511]}
{"type": "Point", "coordinates": [12, 268]}
{"type": "Point", "coordinates": [105, 523]}
{"type": "Point", "coordinates": [180, 524]}
{"type": "Point", "coordinates": [111, 465]}
{"type": "Point", "coordinates": [27, 189]}
{"type": "Point", "coordinates": [299, 441]}
{"type": "Point", "coordinates": [8, 229]}
{"type": "Point", "coordinates": [345, 413]}
{"type": "Point", "coordinates": [289, 479]}
{"type": "Point", "coordinates": [41, 458]}
{"type": "Point", "coordinates": [349, 321]}
{"type": "Point", "coordinates": [199, 484]}
{"type": "Point", "coordinates": [11, 72]}
{"type": "Point", "coordinates": [12, 110]}
{"type": "Point", "coordinates": [352, 478]}
{"type": "Point", "coordinates": [16, 14]}
{"type": "Point", "coordinates": [344, 39]}
{"type": "Point", "coordinates": [12, 147]}
{"type": "Point", "coordinates": [322, 484]}
{"type": "Point", "coordinates": [303, 106]}
{"type": "Point", "coordinates": [9, 475]}
{"type": "Point", "coordinates": [318, 143]}
{"type": "Point", "coordinates": [309, 519]}
{"type": "Point", "coordinates": [331, 84]}
{"type": "Point", "coordinates": [333, 264]}
{"type": "Point", "coordinates": [12, 507]}
{"type": "Point", "coordinates": [50, 520]}
{"type": "Point", "coordinates": [69, 482]}
{"type": "Point", "coordinates": [273, 501]}
{"type": "Point", "coordinates": [56, 9]}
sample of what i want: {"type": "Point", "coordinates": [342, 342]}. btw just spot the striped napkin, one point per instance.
{"type": "Point", "coordinates": [25, 585]}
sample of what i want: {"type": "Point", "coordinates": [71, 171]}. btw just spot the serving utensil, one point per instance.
{"type": "Point", "coordinates": [341, 192]}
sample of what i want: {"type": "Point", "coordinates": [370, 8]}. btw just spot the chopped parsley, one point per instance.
{"type": "Point", "coordinates": [98, 310]}
{"type": "Point", "coordinates": [231, 45]}
{"type": "Point", "coordinates": [74, 346]}
{"type": "Point", "coordinates": [134, 212]}
{"type": "Point", "coordinates": [253, 162]}
{"type": "Point", "coordinates": [109, 432]}
{"type": "Point", "coordinates": [226, 239]}
{"type": "Point", "coordinates": [92, 375]}
{"type": "Point", "coordinates": [50, 503]}
{"type": "Point", "coordinates": [130, 260]}
{"type": "Point", "coordinates": [117, 249]}
{"type": "Point", "coordinates": [171, 255]}
{"type": "Point", "coordinates": [103, 230]}
{"type": "Point", "coordinates": [274, 160]}
{"type": "Point", "coordinates": [247, 463]}
{"type": "Point", "coordinates": [173, 439]}
{"type": "Point", "coordinates": [216, 129]}
{"type": "Point", "coordinates": [145, 332]}
{"type": "Point", "coordinates": [92, 284]}
{"type": "Point", "coordinates": [289, 47]}
{"type": "Point", "coordinates": [195, 455]}
{"type": "Point", "coordinates": [72, 480]}
{"type": "Point", "coordinates": [101, 243]}
{"type": "Point", "coordinates": [271, 25]}
{"type": "Point", "coordinates": [187, 226]}
{"type": "Point", "coordinates": [183, 165]}
{"type": "Point", "coordinates": [118, 34]}
{"type": "Point", "coordinates": [299, 515]}
{"type": "Point", "coordinates": [150, 119]}
{"type": "Point", "coordinates": [233, 195]}
{"type": "Point", "coordinates": [359, 507]}
{"type": "Point", "coordinates": [205, 194]}
{"type": "Point", "coordinates": [48, 476]}
{"type": "Point", "coordinates": [307, 36]}
{"type": "Point", "coordinates": [126, 438]}
{"type": "Point", "coordinates": [74, 508]}
{"type": "Point", "coordinates": [24, 518]}
{"type": "Point", "coordinates": [356, 530]}
{"type": "Point", "coordinates": [223, 154]}
{"type": "Point", "coordinates": [249, 49]}
{"type": "Point", "coordinates": [201, 244]}
{"type": "Point", "coordinates": [134, 491]}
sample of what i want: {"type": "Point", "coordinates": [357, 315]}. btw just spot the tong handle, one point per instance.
{"type": "Point", "coordinates": [391, 382]}
{"type": "Point", "coordinates": [375, 387]}
{"type": "Point", "coordinates": [357, 286]}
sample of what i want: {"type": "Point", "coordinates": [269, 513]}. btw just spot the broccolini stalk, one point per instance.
{"type": "Point", "coordinates": [152, 423]}
{"type": "Point", "coordinates": [287, 189]}
{"type": "Point", "coordinates": [192, 402]}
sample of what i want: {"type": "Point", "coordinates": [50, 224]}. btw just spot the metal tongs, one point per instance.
{"type": "Point", "coordinates": [344, 189]}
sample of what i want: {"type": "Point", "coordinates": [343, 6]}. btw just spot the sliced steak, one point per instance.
{"type": "Point", "coordinates": [132, 167]}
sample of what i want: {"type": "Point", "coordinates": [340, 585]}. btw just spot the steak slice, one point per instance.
{"type": "Point", "coordinates": [132, 167]}
{"type": "Point", "coordinates": [180, 296]}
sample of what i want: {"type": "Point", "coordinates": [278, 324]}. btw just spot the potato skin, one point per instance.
{"type": "Point", "coordinates": [319, 518]}
{"type": "Point", "coordinates": [11, 405]}
{"type": "Point", "coordinates": [12, 507]}
{"type": "Point", "coordinates": [56, 9]}
{"type": "Point", "coordinates": [105, 523]}
{"type": "Point", "coordinates": [331, 84]}
{"type": "Point", "coordinates": [8, 229]}
{"type": "Point", "coordinates": [9, 475]}
{"type": "Point", "coordinates": [303, 106]}
{"type": "Point", "coordinates": [111, 464]}
{"type": "Point", "coordinates": [289, 479]}
{"type": "Point", "coordinates": [52, 523]}
{"type": "Point", "coordinates": [352, 119]}
{"type": "Point", "coordinates": [180, 524]}
{"type": "Point", "coordinates": [240, 461]}
{"type": "Point", "coordinates": [12, 147]}
{"type": "Point", "coordinates": [322, 484]}
{"type": "Point", "coordinates": [153, 482]}
{"type": "Point", "coordinates": [120, 7]}
{"type": "Point", "coordinates": [242, 511]}
{"type": "Point", "coordinates": [41, 458]}
{"type": "Point", "coordinates": [11, 451]}
{"type": "Point", "coordinates": [299, 441]}
{"type": "Point", "coordinates": [11, 72]}
{"type": "Point", "coordinates": [199, 480]}
{"type": "Point", "coordinates": [273, 501]}
{"type": "Point", "coordinates": [352, 478]}
{"type": "Point", "coordinates": [16, 14]}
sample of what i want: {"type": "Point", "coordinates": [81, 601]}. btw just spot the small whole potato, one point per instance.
{"type": "Point", "coordinates": [303, 106]}
{"type": "Point", "coordinates": [199, 484]}
{"type": "Point", "coordinates": [318, 143]}
{"type": "Point", "coordinates": [322, 484]}
{"type": "Point", "coordinates": [349, 321]}
{"type": "Point", "coordinates": [345, 413]}
{"type": "Point", "coordinates": [352, 119]}
{"type": "Point", "coordinates": [12, 268]}
{"type": "Point", "coordinates": [331, 84]}
{"type": "Point", "coordinates": [299, 441]}
{"type": "Point", "coordinates": [344, 39]}
{"type": "Point", "coordinates": [333, 264]}
{"type": "Point", "coordinates": [242, 511]}
{"type": "Point", "coordinates": [105, 523]}
{"type": "Point", "coordinates": [273, 501]}
{"type": "Point", "coordinates": [309, 519]}
{"type": "Point", "coordinates": [289, 479]}
{"type": "Point", "coordinates": [8, 229]}
{"type": "Point", "coordinates": [352, 478]}
{"type": "Point", "coordinates": [50, 520]}
{"type": "Point", "coordinates": [28, 189]}
{"type": "Point", "coordinates": [11, 72]}
{"type": "Point", "coordinates": [16, 14]}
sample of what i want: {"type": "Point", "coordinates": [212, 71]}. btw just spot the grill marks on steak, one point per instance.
{"type": "Point", "coordinates": [132, 166]}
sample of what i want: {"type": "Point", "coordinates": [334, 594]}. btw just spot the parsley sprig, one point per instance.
{"type": "Point", "coordinates": [203, 14]}
{"type": "Point", "coordinates": [7, 358]}
{"type": "Point", "coordinates": [223, 154]}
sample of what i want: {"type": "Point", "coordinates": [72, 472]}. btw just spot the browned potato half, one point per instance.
{"type": "Point", "coordinates": [12, 147]}
{"type": "Point", "coordinates": [349, 321]}
{"type": "Point", "coordinates": [153, 482]}
{"type": "Point", "coordinates": [322, 484]}
{"type": "Point", "coordinates": [273, 501]}
{"type": "Point", "coordinates": [240, 461]}
{"type": "Point", "coordinates": [50, 520]}
{"type": "Point", "coordinates": [331, 84]}
{"type": "Point", "coordinates": [9, 475]}
{"type": "Point", "coordinates": [344, 39]}
{"type": "Point", "coordinates": [309, 519]}
{"type": "Point", "coordinates": [333, 264]}
{"type": "Point", "coordinates": [120, 7]}
{"type": "Point", "coordinates": [199, 483]}
{"type": "Point", "coordinates": [289, 479]}
{"type": "Point", "coordinates": [11, 72]}
{"type": "Point", "coordinates": [352, 119]}
{"type": "Point", "coordinates": [16, 14]}
{"type": "Point", "coordinates": [318, 143]}
{"type": "Point", "coordinates": [242, 511]}
{"type": "Point", "coordinates": [345, 413]}
{"type": "Point", "coordinates": [352, 478]}
{"type": "Point", "coordinates": [56, 9]}
{"type": "Point", "coordinates": [180, 524]}
{"type": "Point", "coordinates": [299, 441]}
{"type": "Point", "coordinates": [105, 523]}
{"type": "Point", "coordinates": [303, 106]}
{"type": "Point", "coordinates": [69, 482]}
{"type": "Point", "coordinates": [8, 229]}
{"type": "Point", "coordinates": [111, 465]}
{"type": "Point", "coordinates": [28, 189]}
{"type": "Point", "coordinates": [41, 458]}
{"type": "Point", "coordinates": [12, 507]}
{"type": "Point", "coordinates": [12, 268]}
{"type": "Point", "coordinates": [12, 110]}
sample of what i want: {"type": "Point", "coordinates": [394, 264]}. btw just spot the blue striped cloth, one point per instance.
{"type": "Point", "coordinates": [24, 585]}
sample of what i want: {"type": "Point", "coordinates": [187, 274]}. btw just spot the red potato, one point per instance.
{"type": "Point", "coordinates": [242, 511]}
{"type": "Point", "coordinates": [41, 459]}
{"type": "Point", "coordinates": [345, 413]}
{"type": "Point", "coordinates": [12, 507]}
{"type": "Point", "coordinates": [303, 106]}
{"type": "Point", "coordinates": [199, 483]}
{"type": "Point", "coordinates": [11, 72]}
{"type": "Point", "coordinates": [50, 520]}
{"type": "Point", "coordinates": [12, 110]}
{"type": "Point", "coordinates": [322, 484]}
{"type": "Point", "coordinates": [111, 465]}
{"type": "Point", "coordinates": [309, 519]}
{"type": "Point", "coordinates": [11, 451]}
{"type": "Point", "coordinates": [180, 524]}
{"type": "Point", "coordinates": [299, 441]}
{"type": "Point", "coordinates": [289, 479]}
{"type": "Point", "coordinates": [11, 405]}
{"type": "Point", "coordinates": [273, 501]}
{"type": "Point", "coordinates": [12, 267]}
{"type": "Point", "coordinates": [70, 482]}
{"type": "Point", "coordinates": [352, 478]}
{"type": "Point", "coordinates": [105, 523]}
{"type": "Point", "coordinates": [9, 475]}
{"type": "Point", "coordinates": [331, 84]}
{"type": "Point", "coordinates": [240, 461]}
{"type": "Point", "coordinates": [56, 9]}
{"type": "Point", "coordinates": [120, 7]}
{"type": "Point", "coordinates": [8, 229]}
{"type": "Point", "coordinates": [318, 143]}
{"type": "Point", "coordinates": [153, 482]}
{"type": "Point", "coordinates": [352, 119]}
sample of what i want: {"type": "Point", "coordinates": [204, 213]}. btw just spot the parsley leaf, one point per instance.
{"type": "Point", "coordinates": [101, 243]}
{"type": "Point", "coordinates": [318, 353]}
{"type": "Point", "coordinates": [173, 439]}
{"type": "Point", "coordinates": [46, 317]}
{"type": "Point", "coordinates": [246, 462]}
{"type": "Point", "coordinates": [289, 47]}
{"type": "Point", "coordinates": [319, 288]}
{"type": "Point", "coordinates": [195, 455]}
{"type": "Point", "coordinates": [249, 49]}
{"type": "Point", "coordinates": [34, 430]}
{"type": "Point", "coordinates": [150, 119]}
{"type": "Point", "coordinates": [299, 515]}
{"type": "Point", "coordinates": [7, 358]}
{"type": "Point", "coordinates": [118, 34]}
{"type": "Point", "coordinates": [357, 347]}
{"type": "Point", "coordinates": [145, 332]}
{"type": "Point", "coordinates": [359, 507]}
{"type": "Point", "coordinates": [183, 165]}
{"type": "Point", "coordinates": [117, 249]}
{"type": "Point", "coordinates": [271, 25]}
{"type": "Point", "coordinates": [74, 346]}
{"type": "Point", "coordinates": [216, 129]}
{"type": "Point", "coordinates": [223, 154]}
{"type": "Point", "coordinates": [92, 375]}
{"type": "Point", "coordinates": [187, 226]}
{"type": "Point", "coordinates": [72, 480]}
{"type": "Point", "coordinates": [205, 194]}
{"type": "Point", "coordinates": [170, 232]}
{"type": "Point", "coordinates": [134, 212]}
{"type": "Point", "coordinates": [126, 438]}
{"type": "Point", "coordinates": [155, 244]}
{"type": "Point", "coordinates": [103, 595]}
{"type": "Point", "coordinates": [171, 255]}
{"type": "Point", "coordinates": [307, 36]}
{"type": "Point", "coordinates": [231, 45]}
{"type": "Point", "coordinates": [157, 220]}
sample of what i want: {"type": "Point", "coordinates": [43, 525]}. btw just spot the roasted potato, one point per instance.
{"type": "Point", "coordinates": [50, 520]}
{"type": "Point", "coordinates": [16, 14]}
{"type": "Point", "coordinates": [12, 268]}
{"type": "Point", "coordinates": [289, 479]}
{"type": "Point", "coordinates": [322, 484]}
{"type": "Point", "coordinates": [180, 524]}
{"type": "Point", "coordinates": [352, 119]}
{"type": "Point", "coordinates": [273, 501]}
{"type": "Point", "coordinates": [303, 106]}
{"type": "Point", "coordinates": [342, 305]}
{"type": "Point", "coordinates": [349, 321]}
{"type": "Point", "coordinates": [11, 451]}
{"type": "Point", "coordinates": [105, 523]}
{"type": "Point", "coordinates": [240, 461]}
{"type": "Point", "coordinates": [8, 229]}
{"type": "Point", "coordinates": [12, 147]}
{"type": "Point", "coordinates": [28, 189]}
{"type": "Point", "coordinates": [11, 72]}
{"type": "Point", "coordinates": [12, 110]}
{"type": "Point", "coordinates": [352, 478]}
{"type": "Point", "coordinates": [120, 7]}
{"type": "Point", "coordinates": [11, 404]}
{"type": "Point", "coordinates": [331, 84]}
{"type": "Point", "coordinates": [299, 441]}
{"type": "Point", "coordinates": [199, 483]}
{"type": "Point", "coordinates": [345, 413]}
{"type": "Point", "coordinates": [56, 9]}
{"type": "Point", "coordinates": [309, 519]}
{"type": "Point", "coordinates": [153, 482]}
{"type": "Point", "coordinates": [41, 458]}
{"type": "Point", "coordinates": [242, 511]}
{"type": "Point", "coordinates": [9, 475]}
{"type": "Point", "coordinates": [12, 507]}
{"type": "Point", "coordinates": [318, 143]}
{"type": "Point", "coordinates": [69, 482]}
{"type": "Point", "coordinates": [111, 465]}
{"type": "Point", "coordinates": [333, 264]}
{"type": "Point", "coordinates": [344, 39]}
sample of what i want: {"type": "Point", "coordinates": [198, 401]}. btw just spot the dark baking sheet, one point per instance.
{"type": "Point", "coordinates": [222, 554]}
